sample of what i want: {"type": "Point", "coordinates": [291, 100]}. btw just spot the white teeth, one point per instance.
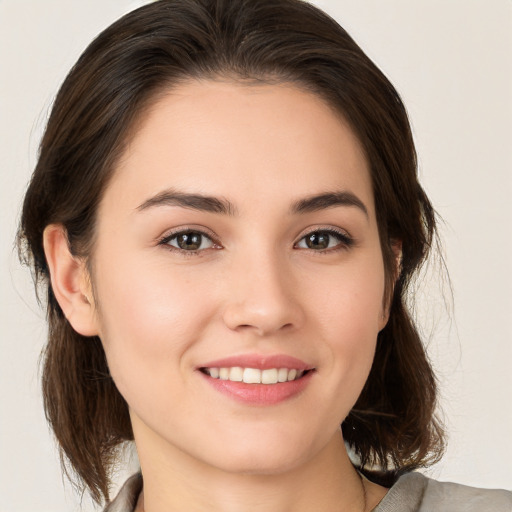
{"type": "Point", "coordinates": [282, 375]}
{"type": "Point", "coordinates": [269, 376]}
{"type": "Point", "coordinates": [254, 375]}
{"type": "Point", "coordinates": [236, 374]}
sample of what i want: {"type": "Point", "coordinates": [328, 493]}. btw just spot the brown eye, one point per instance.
{"type": "Point", "coordinates": [318, 240]}
{"type": "Point", "coordinates": [189, 241]}
{"type": "Point", "coordinates": [325, 239]}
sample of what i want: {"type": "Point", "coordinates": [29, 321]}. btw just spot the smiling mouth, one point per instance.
{"type": "Point", "coordinates": [255, 375]}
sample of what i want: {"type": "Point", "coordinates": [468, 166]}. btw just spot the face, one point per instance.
{"type": "Point", "coordinates": [238, 275]}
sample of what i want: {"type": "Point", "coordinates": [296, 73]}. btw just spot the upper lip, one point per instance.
{"type": "Point", "coordinates": [259, 361]}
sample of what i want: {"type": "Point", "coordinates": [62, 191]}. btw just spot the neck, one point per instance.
{"type": "Point", "coordinates": [174, 481]}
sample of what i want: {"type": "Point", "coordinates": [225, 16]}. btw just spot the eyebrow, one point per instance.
{"type": "Point", "coordinates": [172, 197]}
{"type": "Point", "coordinates": [328, 200]}
{"type": "Point", "coordinates": [200, 202]}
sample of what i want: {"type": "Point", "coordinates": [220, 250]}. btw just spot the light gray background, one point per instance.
{"type": "Point", "coordinates": [451, 61]}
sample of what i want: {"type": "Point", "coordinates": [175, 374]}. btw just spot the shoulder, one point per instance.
{"type": "Point", "coordinates": [465, 499]}
{"type": "Point", "coordinates": [126, 499]}
{"type": "Point", "coordinates": [415, 492]}
{"type": "Point", "coordinates": [412, 492]}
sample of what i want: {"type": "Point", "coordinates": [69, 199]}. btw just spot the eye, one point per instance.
{"type": "Point", "coordinates": [189, 240]}
{"type": "Point", "coordinates": [325, 239]}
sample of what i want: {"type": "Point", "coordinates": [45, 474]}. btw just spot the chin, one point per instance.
{"type": "Point", "coordinates": [248, 463]}
{"type": "Point", "coordinates": [263, 455]}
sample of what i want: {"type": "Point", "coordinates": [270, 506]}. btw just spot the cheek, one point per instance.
{"type": "Point", "coordinates": [350, 301]}
{"type": "Point", "coordinates": [349, 320]}
{"type": "Point", "coordinates": [149, 318]}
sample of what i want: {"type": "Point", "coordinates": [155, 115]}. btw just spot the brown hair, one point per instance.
{"type": "Point", "coordinates": [392, 426]}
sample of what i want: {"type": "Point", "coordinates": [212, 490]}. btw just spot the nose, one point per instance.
{"type": "Point", "coordinates": [262, 296]}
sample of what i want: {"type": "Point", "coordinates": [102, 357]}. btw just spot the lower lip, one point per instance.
{"type": "Point", "coordinates": [260, 394]}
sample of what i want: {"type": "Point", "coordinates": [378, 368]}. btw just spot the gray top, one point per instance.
{"type": "Point", "coordinates": [412, 492]}
{"type": "Point", "coordinates": [415, 492]}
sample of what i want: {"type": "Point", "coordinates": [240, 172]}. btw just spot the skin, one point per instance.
{"type": "Point", "coordinates": [162, 312]}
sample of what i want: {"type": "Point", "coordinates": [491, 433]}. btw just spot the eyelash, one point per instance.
{"type": "Point", "coordinates": [344, 239]}
{"type": "Point", "coordinates": [165, 241]}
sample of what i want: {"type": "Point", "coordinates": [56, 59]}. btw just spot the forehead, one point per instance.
{"type": "Point", "coordinates": [254, 142]}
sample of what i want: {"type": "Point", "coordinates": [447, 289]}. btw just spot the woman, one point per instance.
{"type": "Point", "coordinates": [226, 216]}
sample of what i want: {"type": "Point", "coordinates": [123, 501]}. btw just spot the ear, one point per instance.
{"type": "Point", "coordinates": [396, 249]}
{"type": "Point", "coordinates": [70, 281]}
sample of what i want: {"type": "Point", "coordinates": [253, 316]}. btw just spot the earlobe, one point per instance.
{"type": "Point", "coordinates": [70, 281]}
{"type": "Point", "coordinates": [396, 247]}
